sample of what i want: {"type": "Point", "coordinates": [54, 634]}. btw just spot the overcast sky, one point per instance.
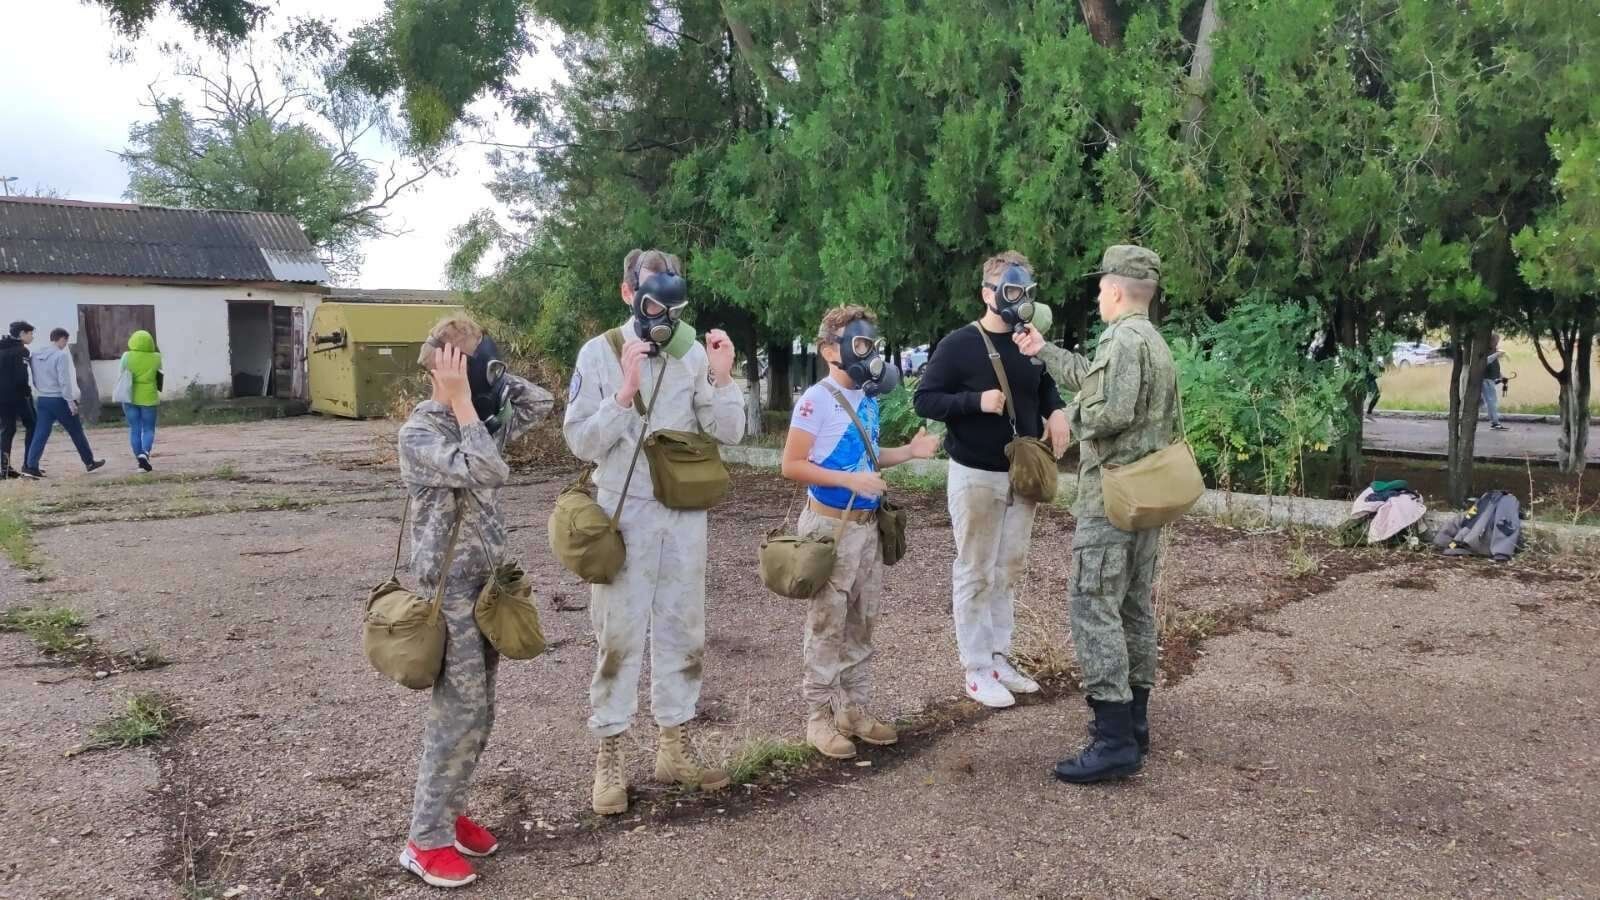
{"type": "Point", "coordinates": [67, 107]}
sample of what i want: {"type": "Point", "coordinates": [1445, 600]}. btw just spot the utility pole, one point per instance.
{"type": "Point", "coordinates": [6, 180]}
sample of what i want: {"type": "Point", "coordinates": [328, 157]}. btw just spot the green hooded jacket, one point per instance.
{"type": "Point", "coordinates": [144, 362]}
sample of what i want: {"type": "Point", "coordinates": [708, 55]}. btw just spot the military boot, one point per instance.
{"type": "Point", "coordinates": [855, 721]}
{"type": "Point", "coordinates": [1140, 713]}
{"type": "Point", "coordinates": [1112, 753]}
{"type": "Point", "coordinates": [822, 732]}
{"type": "Point", "coordinates": [675, 763]}
{"type": "Point", "coordinates": [610, 784]}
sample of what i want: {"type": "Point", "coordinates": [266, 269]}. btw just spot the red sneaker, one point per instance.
{"type": "Point", "coordinates": [443, 867]}
{"type": "Point", "coordinates": [474, 839]}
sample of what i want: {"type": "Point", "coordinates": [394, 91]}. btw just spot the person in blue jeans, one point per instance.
{"type": "Point", "coordinates": [1493, 378]}
{"type": "Point", "coordinates": [143, 364]}
{"type": "Point", "coordinates": [56, 394]}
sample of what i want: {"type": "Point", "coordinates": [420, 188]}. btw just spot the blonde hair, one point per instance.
{"type": "Point", "coordinates": [996, 264]}
{"type": "Point", "coordinates": [638, 262]}
{"type": "Point", "coordinates": [836, 319]}
{"type": "Point", "coordinates": [460, 331]}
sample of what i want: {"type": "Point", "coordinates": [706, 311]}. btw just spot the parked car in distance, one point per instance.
{"type": "Point", "coordinates": [913, 359]}
{"type": "Point", "coordinates": [1416, 353]}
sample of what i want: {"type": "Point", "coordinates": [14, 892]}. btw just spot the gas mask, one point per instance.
{"type": "Point", "coordinates": [486, 379]}
{"type": "Point", "coordinates": [1014, 295]}
{"type": "Point", "coordinates": [658, 304]}
{"type": "Point", "coordinates": [861, 358]}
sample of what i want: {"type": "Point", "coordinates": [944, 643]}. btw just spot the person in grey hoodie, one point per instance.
{"type": "Point", "coordinates": [56, 394]}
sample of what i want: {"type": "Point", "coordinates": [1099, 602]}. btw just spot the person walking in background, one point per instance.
{"type": "Point", "coordinates": [55, 386]}
{"type": "Point", "coordinates": [1492, 379]}
{"type": "Point", "coordinates": [143, 364]}
{"type": "Point", "coordinates": [16, 397]}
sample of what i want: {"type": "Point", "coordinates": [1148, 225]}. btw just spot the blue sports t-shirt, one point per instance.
{"type": "Point", "coordinates": [837, 443]}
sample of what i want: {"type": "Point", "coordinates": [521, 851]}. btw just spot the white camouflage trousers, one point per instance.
{"type": "Point", "coordinates": [992, 531]}
{"type": "Point", "coordinates": [661, 591]}
{"type": "Point", "coordinates": [838, 642]}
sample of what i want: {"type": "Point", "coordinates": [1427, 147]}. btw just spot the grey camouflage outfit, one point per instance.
{"type": "Point", "coordinates": [661, 589]}
{"type": "Point", "coordinates": [446, 467]}
{"type": "Point", "coordinates": [1126, 409]}
{"type": "Point", "coordinates": [838, 642]}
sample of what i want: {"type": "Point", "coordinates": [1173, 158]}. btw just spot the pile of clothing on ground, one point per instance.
{"type": "Point", "coordinates": [1387, 514]}
{"type": "Point", "coordinates": [1491, 526]}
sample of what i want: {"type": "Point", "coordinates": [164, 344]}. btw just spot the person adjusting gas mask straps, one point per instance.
{"type": "Point", "coordinates": [861, 359]}
{"type": "Point", "coordinates": [486, 379]}
{"type": "Point", "coordinates": [653, 361]}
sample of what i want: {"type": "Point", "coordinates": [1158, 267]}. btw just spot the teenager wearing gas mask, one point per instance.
{"type": "Point", "coordinates": [661, 587]}
{"type": "Point", "coordinates": [993, 526]}
{"type": "Point", "coordinates": [827, 451]}
{"type": "Point", "coordinates": [453, 471]}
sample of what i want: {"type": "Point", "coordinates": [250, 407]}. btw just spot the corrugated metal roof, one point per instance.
{"type": "Point", "coordinates": [397, 295]}
{"type": "Point", "coordinates": [68, 237]}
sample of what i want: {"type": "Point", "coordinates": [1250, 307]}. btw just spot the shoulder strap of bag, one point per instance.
{"type": "Point", "coordinates": [644, 431]}
{"type": "Point", "coordinates": [449, 554]}
{"type": "Point", "coordinates": [614, 338]}
{"type": "Point", "coordinates": [866, 439]}
{"type": "Point", "coordinates": [1000, 373]}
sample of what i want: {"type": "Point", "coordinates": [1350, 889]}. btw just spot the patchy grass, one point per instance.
{"type": "Point", "coordinates": [764, 756]}
{"type": "Point", "coordinates": [1190, 624]}
{"type": "Point", "coordinates": [16, 537]}
{"type": "Point", "coordinates": [148, 718]}
{"type": "Point", "coordinates": [1040, 648]}
{"type": "Point", "coordinates": [1301, 564]}
{"type": "Point", "coordinates": [906, 479]}
{"type": "Point", "coordinates": [55, 630]}
{"type": "Point", "coordinates": [1244, 518]}
{"type": "Point", "coordinates": [1532, 390]}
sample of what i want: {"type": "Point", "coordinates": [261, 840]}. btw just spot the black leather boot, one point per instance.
{"type": "Point", "coordinates": [1141, 719]}
{"type": "Point", "coordinates": [1113, 753]}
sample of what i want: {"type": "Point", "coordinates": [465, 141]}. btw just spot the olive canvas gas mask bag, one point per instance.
{"type": "Point", "coordinates": [505, 612]}
{"type": "Point", "coordinates": [798, 565]}
{"type": "Point", "coordinates": [686, 468]}
{"type": "Point", "coordinates": [1158, 489]}
{"type": "Point", "coordinates": [1033, 466]}
{"type": "Point", "coordinates": [403, 634]}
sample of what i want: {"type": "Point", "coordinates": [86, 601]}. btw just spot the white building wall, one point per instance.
{"type": "Point", "coordinates": [191, 322]}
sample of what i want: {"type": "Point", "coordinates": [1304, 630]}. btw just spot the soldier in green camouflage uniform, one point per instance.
{"type": "Point", "coordinates": [452, 466]}
{"type": "Point", "coordinates": [1126, 409]}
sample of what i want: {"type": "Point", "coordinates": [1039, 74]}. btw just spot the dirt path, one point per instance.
{"type": "Point", "coordinates": [1391, 725]}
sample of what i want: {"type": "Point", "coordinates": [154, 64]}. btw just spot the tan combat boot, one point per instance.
{"type": "Point", "coordinates": [855, 721]}
{"type": "Point", "coordinates": [675, 763]}
{"type": "Point", "coordinates": [823, 734]}
{"type": "Point", "coordinates": [610, 784]}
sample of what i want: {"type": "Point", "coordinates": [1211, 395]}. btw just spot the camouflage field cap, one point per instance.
{"type": "Point", "coordinates": [1130, 261]}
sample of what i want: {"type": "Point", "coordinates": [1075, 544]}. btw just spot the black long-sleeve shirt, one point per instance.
{"type": "Point", "coordinates": [951, 392]}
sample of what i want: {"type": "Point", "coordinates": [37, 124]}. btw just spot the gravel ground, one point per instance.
{"type": "Point", "coordinates": [1390, 725]}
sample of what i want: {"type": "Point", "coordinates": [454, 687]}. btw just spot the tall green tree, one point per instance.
{"type": "Point", "coordinates": [255, 143]}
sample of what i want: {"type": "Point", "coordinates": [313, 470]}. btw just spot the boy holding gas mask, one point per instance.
{"type": "Point", "coordinates": [834, 449]}
{"type": "Point", "coordinates": [993, 525]}
{"type": "Point", "coordinates": [654, 364]}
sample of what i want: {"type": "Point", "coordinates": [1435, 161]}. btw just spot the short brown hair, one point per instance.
{"type": "Point", "coordinates": [460, 331]}
{"type": "Point", "coordinates": [837, 319]}
{"type": "Point", "coordinates": [638, 262]}
{"type": "Point", "coordinates": [994, 265]}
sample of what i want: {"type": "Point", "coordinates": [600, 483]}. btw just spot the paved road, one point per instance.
{"type": "Point", "coordinates": [1427, 435]}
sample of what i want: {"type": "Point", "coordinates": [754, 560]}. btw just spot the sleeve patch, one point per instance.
{"type": "Point", "coordinates": [574, 386]}
{"type": "Point", "coordinates": [807, 409]}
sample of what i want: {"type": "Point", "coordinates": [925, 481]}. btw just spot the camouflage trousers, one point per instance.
{"type": "Point", "coordinates": [992, 531]}
{"type": "Point", "coordinates": [1113, 617]}
{"type": "Point", "coordinates": [660, 592]}
{"type": "Point", "coordinates": [460, 717]}
{"type": "Point", "coordinates": [838, 642]}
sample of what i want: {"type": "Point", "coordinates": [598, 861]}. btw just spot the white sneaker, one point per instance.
{"type": "Point", "coordinates": [983, 685]}
{"type": "Point", "coordinates": [1014, 681]}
